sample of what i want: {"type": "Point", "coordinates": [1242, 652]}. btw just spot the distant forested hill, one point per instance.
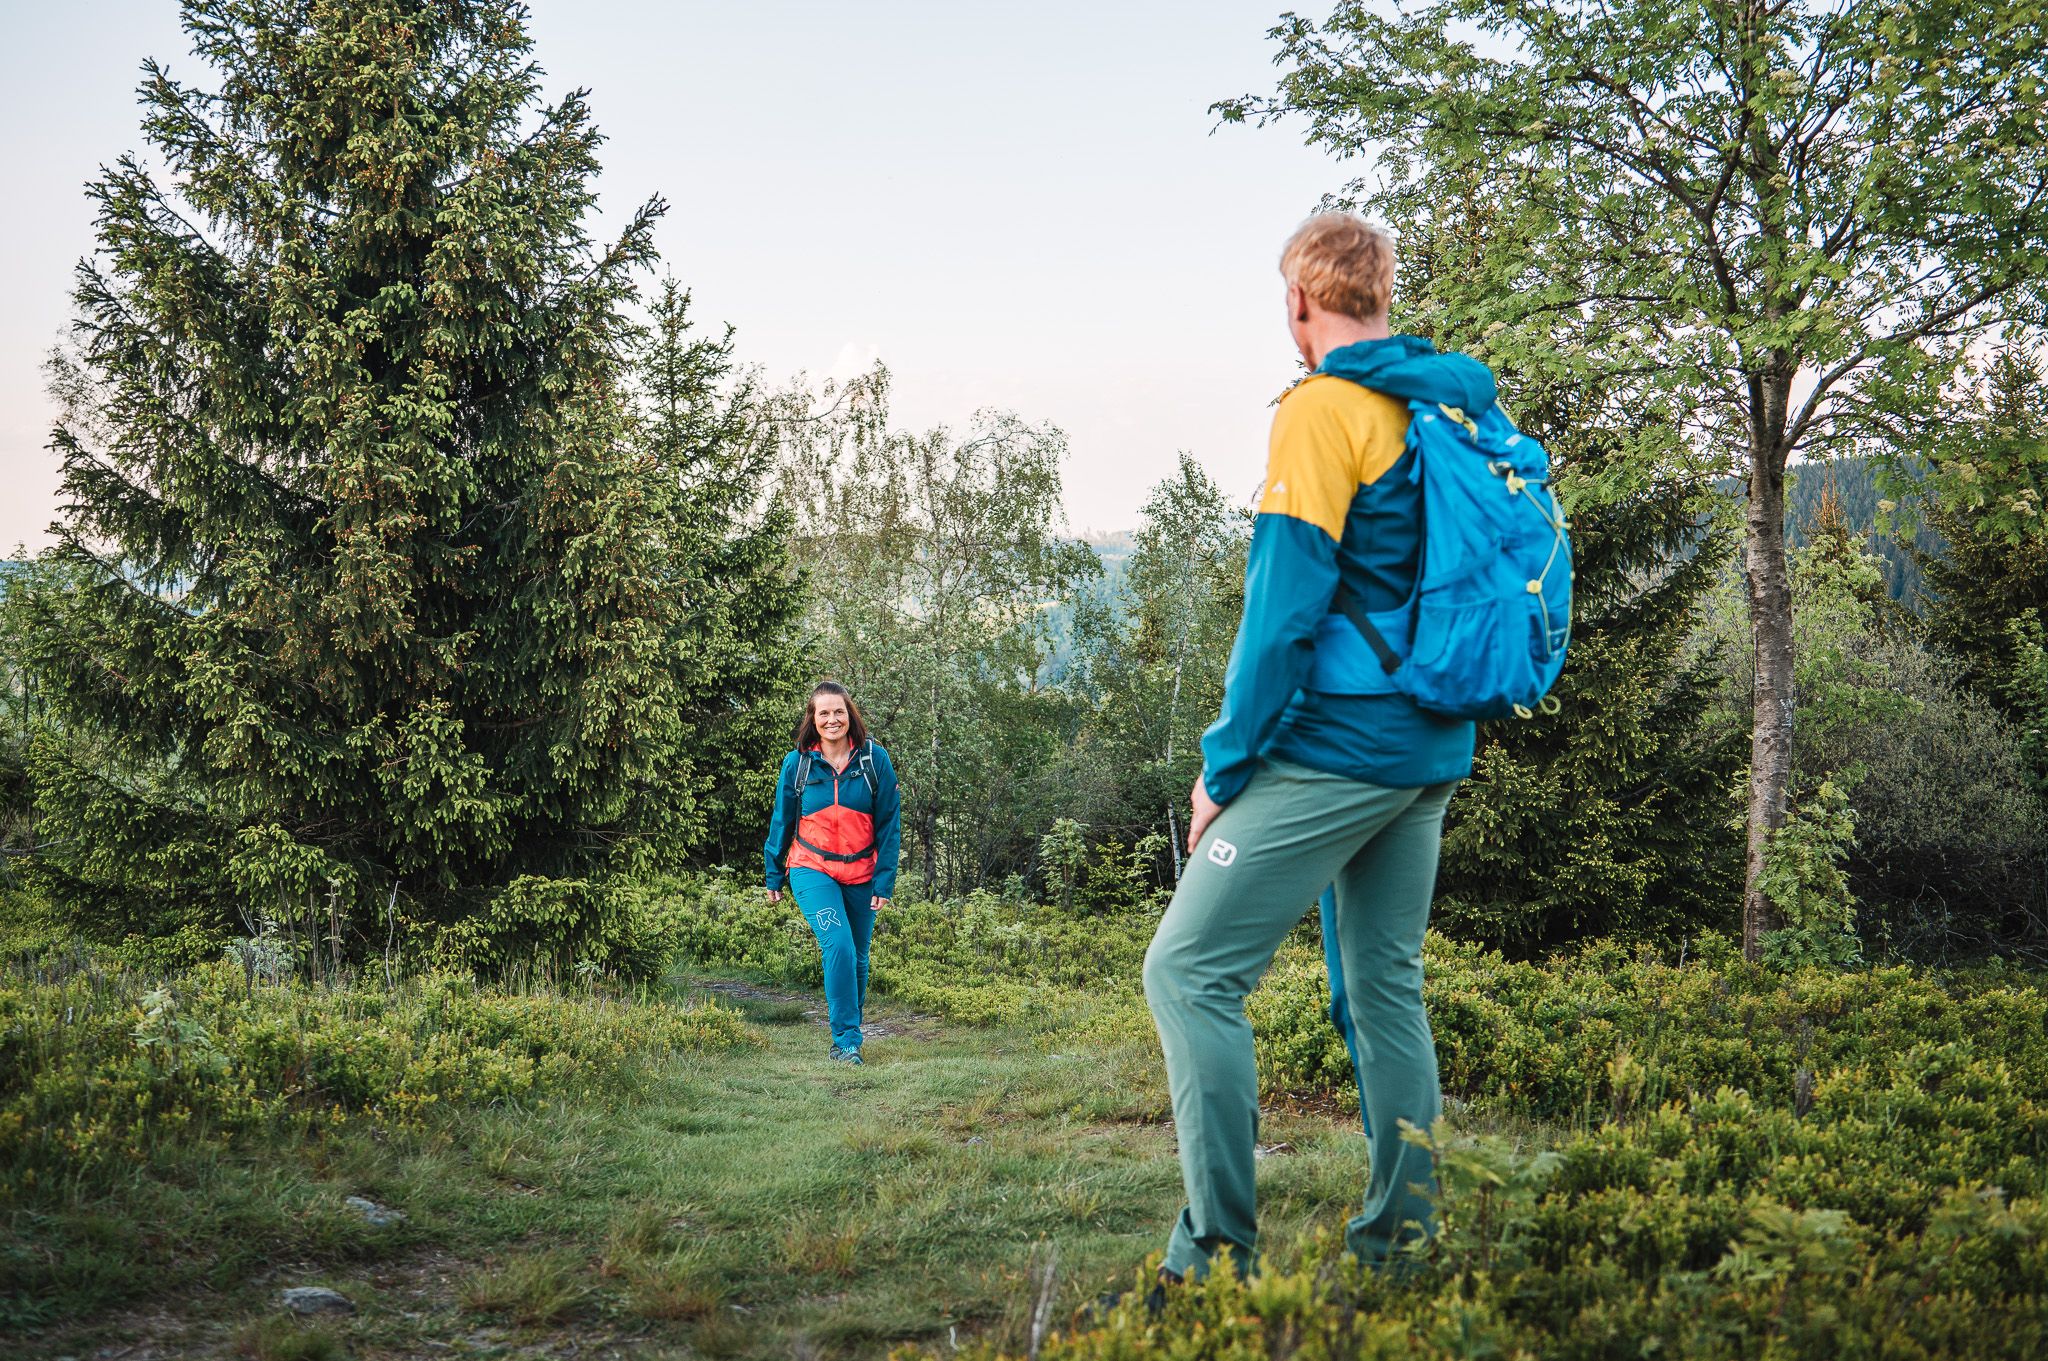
{"type": "Point", "coordinates": [1855, 484]}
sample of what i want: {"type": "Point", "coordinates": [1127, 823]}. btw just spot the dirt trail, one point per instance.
{"type": "Point", "coordinates": [419, 1311]}
{"type": "Point", "coordinates": [893, 1025]}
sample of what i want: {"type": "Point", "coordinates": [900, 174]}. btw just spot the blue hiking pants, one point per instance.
{"type": "Point", "coordinates": [843, 920]}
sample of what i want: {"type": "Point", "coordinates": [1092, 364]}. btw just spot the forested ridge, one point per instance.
{"type": "Point", "coordinates": [388, 736]}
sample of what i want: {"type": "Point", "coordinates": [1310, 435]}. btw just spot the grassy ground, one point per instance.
{"type": "Point", "coordinates": [756, 1203]}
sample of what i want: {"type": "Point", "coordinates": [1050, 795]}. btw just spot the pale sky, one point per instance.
{"type": "Point", "coordinates": [1013, 205]}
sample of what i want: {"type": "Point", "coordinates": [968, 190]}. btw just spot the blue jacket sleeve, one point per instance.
{"type": "Point", "coordinates": [1289, 579]}
{"type": "Point", "coordinates": [888, 824]}
{"type": "Point", "coordinates": [788, 811]}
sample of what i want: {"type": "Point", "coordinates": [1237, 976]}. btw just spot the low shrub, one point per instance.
{"type": "Point", "coordinates": [1605, 1029]}
{"type": "Point", "coordinates": [1533, 1264]}
{"type": "Point", "coordinates": [980, 960]}
{"type": "Point", "coordinates": [101, 1062]}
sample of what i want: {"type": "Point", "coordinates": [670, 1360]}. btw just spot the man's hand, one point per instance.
{"type": "Point", "coordinates": [878, 903]}
{"type": "Point", "coordinates": [1206, 810]}
{"type": "Point", "coordinates": [774, 895]}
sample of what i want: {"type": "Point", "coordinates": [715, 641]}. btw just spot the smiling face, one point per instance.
{"type": "Point", "coordinates": [829, 715]}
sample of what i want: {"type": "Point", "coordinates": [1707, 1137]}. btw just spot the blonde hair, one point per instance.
{"type": "Point", "coordinates": [1342, 264]}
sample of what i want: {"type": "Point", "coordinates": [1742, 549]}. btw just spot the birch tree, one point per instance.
{"type": "Point", "coordinates": [935, 559]}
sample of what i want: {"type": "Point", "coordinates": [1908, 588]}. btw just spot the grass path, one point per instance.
{"type": "Point", "coordinates": [764, 1203]}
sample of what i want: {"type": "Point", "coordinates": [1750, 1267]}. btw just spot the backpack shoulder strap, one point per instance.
{"type": "Point", "coordinates": [1352, 608]}
{"type": "Point", "coordinates": [803, 772]}
{"type": "Point", "coordinates": [867, 766]}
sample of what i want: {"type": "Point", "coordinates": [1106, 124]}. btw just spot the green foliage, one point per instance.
{"type": "Point", "coordinates": [1603, 818]}
{"type": "Point", "coordinates": [370, 588]}
{"type": "Point", "coordinates": [1989, 588]}
{"type": "Point", "coordinates": [1701, 1159]}
{"type": "Point", "coordinates": [935, 556]}
{"type": "Point", "coordinates": [1948, 851]}
{"type": "Point", "coordinates": [1880, 500]}
{"type": "Point", "coordinates": [1750, 1161]}
{"type": "Point", "coordinates": [2026, 689]}
{"type": "Point", "coordinates": [1789, 222]}
{"type": "Point", "coordinates": [1623, 1261]}
{"type": "Point", "coordinates": [731, 561]}
{"type": "Point", "coordinates": [981, 959]}
{"type": "Point", "coordinates": [1803, 877]}
{"type": "Point", "coordinates": [1062, 855]}
{"type": "Point", "coordinates": [102, 1063]}
{"type": "Point", "coordinates": [1119, 878]}
{"type": "Point", "coordinates": [1150, 655]}
{"type": "Point", "coordinates": [1600, 1033]}
{"type": "Point", "coordinates": [20, 709]}
{"type": "Point", "coordinates": [1952, 844]}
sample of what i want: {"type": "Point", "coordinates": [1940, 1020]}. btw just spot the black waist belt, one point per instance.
{"type": "Point", "coordinates": [853, 859]}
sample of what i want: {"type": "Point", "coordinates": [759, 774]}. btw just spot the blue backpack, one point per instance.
{"type": "Point", "coordinates": [1485, 633]}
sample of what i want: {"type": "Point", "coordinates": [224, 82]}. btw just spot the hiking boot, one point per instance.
{"type": "Point", "coordinates": [851, 1056]}
{"type": "Point", "coordinates": [1155, 1298]}
{"type": "Point", "coordinates": [1097, 1314]}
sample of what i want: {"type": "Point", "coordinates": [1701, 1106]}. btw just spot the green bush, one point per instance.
{"type": "Point", "coordinates": [982, 959]}
{"type": "Point", "coordinates": [1603, 1030]}
{"type": "Point", "coordinates": [1729, 1161]}
{"type": "Point", "coordinates": [1581, 1257]}
{"type": "Point", "coordinates": [101, 1062]}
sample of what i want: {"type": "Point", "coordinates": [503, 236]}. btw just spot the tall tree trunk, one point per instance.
{"type": "Point", "coordinates": [1770, 615]}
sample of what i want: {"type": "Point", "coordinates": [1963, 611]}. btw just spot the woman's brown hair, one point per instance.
{"type": "Point", "coordinates": [806, 733]}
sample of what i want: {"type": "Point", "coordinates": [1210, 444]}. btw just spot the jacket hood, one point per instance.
{"type": "Point", "coordinates": [1410, 369]}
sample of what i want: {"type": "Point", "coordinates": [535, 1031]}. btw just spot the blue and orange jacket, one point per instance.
{"type": "Point", "coordinates": [1341, 507]}
{"type": "Point", "coordinates": [833, 824]}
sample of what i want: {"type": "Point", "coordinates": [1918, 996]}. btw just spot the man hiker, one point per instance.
{"type": "Point", "coordinates": [1318, 771]}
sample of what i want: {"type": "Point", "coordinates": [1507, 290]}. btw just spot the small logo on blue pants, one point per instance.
{"type": "Point", "coordinates": [1221, 853]}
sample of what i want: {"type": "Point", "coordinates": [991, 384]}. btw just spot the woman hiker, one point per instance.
{"type": "Point", "coordinates": [833, 839]}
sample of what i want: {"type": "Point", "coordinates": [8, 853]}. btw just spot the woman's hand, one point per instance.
{"type": "Point", "coordinates": [1206, 810]}
{"type": "Point", "coordinates": [774, 895]}
{"type": "Point", "coordinates": [878, 903]}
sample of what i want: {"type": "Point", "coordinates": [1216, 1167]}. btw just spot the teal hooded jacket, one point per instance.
{"type": "Point", "coordinates": [1295, 567]}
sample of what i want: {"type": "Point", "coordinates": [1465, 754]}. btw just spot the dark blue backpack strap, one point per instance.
{"type": "Point", "coordinates": [1352, 608]}
{"type": "Point", "coordinates": [867, 767]}
{"type": "Point", "coordinates": [803, 774]}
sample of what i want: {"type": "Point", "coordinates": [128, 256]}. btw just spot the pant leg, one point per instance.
{"type": "Point", "coordinates": [819, 898]}
{"type": "Point", "coordinates": [1340, 1005]}
{"type": "Point", "coordinates": [1253, 875]}
{"type": "Point", "coordinates": [860, 916]}
{"type": "Point", "coordinates": [1383, 898]}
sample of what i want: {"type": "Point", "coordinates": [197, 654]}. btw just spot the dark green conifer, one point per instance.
{"type": "Point", "coordinates": [1988, 589]}
{"type": "Point", "coordinates": [744, 662]}
{"type": "Point", "coordinates": [378, 601]}
{"type": "Point", "coordinates": [1614, 815]}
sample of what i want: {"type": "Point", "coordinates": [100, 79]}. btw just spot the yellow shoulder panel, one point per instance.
{"type": "Point", "coordinates": [1330, 437]}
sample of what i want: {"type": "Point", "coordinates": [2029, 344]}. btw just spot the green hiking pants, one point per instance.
{"type": "Point", "coordinates": [1258, 868]}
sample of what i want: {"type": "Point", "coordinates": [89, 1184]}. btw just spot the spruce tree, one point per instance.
{"type": "Point", "coordinates": [742, 653]}
{"type": "Point", "coordinates": [376, 608]}
{"type": "Point", "coordinates": [1988, 589]}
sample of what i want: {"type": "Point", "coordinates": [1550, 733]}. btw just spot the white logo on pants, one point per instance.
{"type": "Point", "coordinates": [827, 918]}
{"type": "Point", "coordinates": [1222, 852]}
